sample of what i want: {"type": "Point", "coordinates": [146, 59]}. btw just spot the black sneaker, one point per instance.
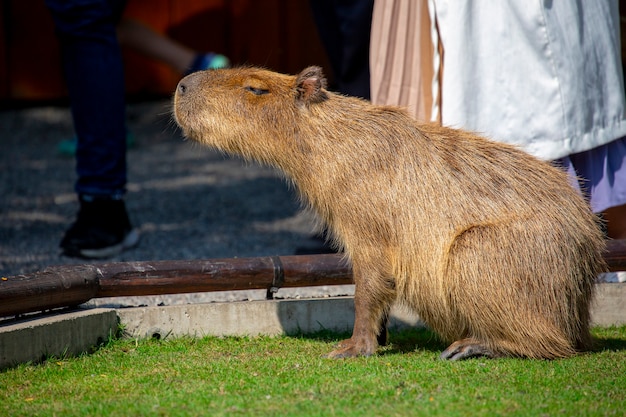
{"type": "Point", "coordinates": [101, 230]}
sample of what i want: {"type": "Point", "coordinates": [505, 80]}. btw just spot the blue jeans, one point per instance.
{"type": "Point", "coordinates": [92, 65]}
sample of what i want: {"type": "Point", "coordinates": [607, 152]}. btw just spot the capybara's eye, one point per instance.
{"type": "Point", "coordinates": [256, 91]}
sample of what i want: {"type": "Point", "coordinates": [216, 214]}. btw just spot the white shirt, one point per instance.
{"type": "Point", "coordinates": [542, 74]}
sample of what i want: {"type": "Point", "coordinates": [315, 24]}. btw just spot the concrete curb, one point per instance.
{"type": "Point", "coordinates": [249, 318]}
{"type": "Point", "coordinates": [609, 308]}
{"type": "Point", "coordinates": [31, 339]}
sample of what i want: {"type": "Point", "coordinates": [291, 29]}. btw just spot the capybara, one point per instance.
{"type": "Point", "coordinates": [490, 246]}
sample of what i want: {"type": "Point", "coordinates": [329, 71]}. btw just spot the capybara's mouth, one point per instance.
{"type": "Point", "coordinates": [183, 107]}
{"type": "Point", "coordinates": [181, 117]}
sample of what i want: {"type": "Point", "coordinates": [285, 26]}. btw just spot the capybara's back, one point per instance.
{"type": "Point", "coordinates": [490, 246]}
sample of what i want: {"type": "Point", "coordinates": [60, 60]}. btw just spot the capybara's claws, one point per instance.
{"type": "Point", "coordinates": [346, 353]}
{"type": "Point", "coordinates": [465, 349]}
{"type": "Point", "coordinates": [337, 354]}
{"type": "Point", "coordinates": [350, 349]}
{"type": "Point", "coordinates": [342, 344]}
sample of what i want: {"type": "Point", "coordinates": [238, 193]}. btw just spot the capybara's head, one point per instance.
{"type": "Point", "coordinates": [245, 110]}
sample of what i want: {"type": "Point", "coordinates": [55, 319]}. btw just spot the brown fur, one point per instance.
{"type": "Point", "coordinates": [490, 246]}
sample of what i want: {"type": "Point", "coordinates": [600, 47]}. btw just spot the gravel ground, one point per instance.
{"type": "Point", "coordinates": [189, 202]}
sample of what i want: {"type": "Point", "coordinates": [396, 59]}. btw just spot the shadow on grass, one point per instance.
{"type": "Point", "coordinates": [422, 339]}
{"type": "Point", "coordinates": [611, 339]}
{"type": "Point", "coordinates": [402, 341]}
{"type": "Point", "coordinates": [410, 340]}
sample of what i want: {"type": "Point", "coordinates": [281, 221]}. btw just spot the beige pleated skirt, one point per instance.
{"type": "Point", "coordinates": [402, 56]}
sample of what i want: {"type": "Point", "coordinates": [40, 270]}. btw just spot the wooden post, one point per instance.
{"type": "Point", "coordinates": [68, 285]}
{"type": "Point", "coordinates": [174, 277]}
{"type": "Point", "coordinates": [54, 287]}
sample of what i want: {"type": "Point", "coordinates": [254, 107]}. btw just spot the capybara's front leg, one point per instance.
{"type": "Point", "coordinates": [372, 301]}
{"type": "Point", "coordinates": [364, 339]}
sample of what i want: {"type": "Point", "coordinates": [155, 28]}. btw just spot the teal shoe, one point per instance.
{"type": "Point", "coordinates": [208, 61]}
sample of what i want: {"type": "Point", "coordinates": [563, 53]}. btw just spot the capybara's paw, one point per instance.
{"type": "Point", "coordinates": [350, 348]}
{"type": "Point", "coordinates": [467, 348]}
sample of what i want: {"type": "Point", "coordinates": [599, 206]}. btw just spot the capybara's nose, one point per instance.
{"type": "Point", "coordinates": [187, 84]}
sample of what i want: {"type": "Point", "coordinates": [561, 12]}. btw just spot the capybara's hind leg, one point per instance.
{"type": "Point", "coordinates": [468, 348]}
{"type": "Point", "coordinates": [372, 301]}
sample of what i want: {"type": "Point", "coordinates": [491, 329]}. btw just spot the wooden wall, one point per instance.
{"type": "Point", "coordinates": [277, 34]}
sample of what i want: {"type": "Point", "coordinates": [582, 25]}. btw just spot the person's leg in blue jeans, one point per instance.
{"type": "Point", "coordinates": [92, 64]}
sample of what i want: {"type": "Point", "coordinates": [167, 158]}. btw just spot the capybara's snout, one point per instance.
{"type": "Point", "coordinates": [188, 84]}
{"type": "Point", "coordinates": [185, 97]}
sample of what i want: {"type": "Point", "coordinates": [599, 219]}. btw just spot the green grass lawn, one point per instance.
{"type": "Point", "coordinates": [288, 376]}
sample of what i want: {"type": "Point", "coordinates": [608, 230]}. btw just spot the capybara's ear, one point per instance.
{"type": "Point", "coordinates": [310, 85]}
